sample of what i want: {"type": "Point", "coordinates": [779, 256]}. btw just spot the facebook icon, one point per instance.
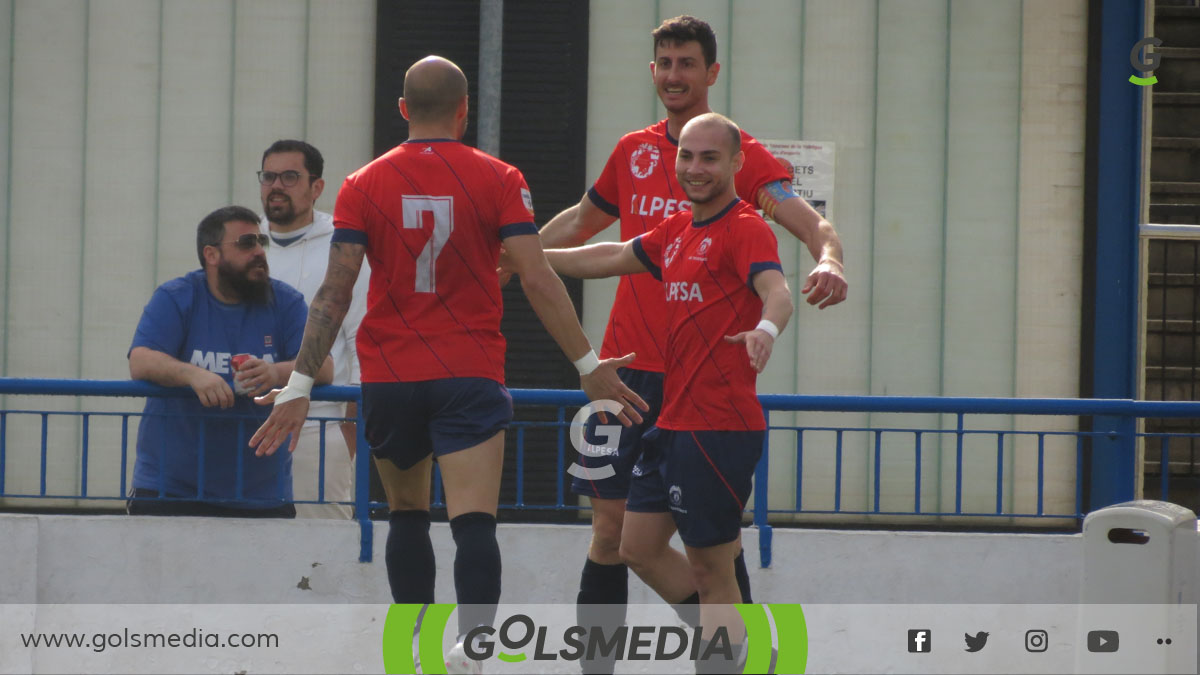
{"type": "Point", "coordinates": [920, 640]}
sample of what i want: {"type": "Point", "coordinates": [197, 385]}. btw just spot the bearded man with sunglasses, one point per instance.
{"type": "Point", "coordinates": [193, 456]}
{"type": "Point", "coordinates": [290, 183]}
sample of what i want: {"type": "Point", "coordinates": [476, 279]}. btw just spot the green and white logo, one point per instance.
{"type": "Point", "coordinates": [546, 638]}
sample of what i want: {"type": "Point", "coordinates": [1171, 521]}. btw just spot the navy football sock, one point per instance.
{"type": "Point", "coordinates": [601, 603]}
{"type": "Point", "coordinates": [743, 576]}
{"type": "Point", "coordinates": [476, 569]}
{"type": "Point", "coordinates": [689, 609]}
{"type": "Point", "coordinates": [410, 565]}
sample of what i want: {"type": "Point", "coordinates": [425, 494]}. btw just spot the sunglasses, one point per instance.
{"type": "Point", "coordinates": [247, 242]}
{"type": "Point", "coordinates": [288, 178]}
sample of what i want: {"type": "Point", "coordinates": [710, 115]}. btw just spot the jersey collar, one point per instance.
{"type": "Point", "coordinates": [723, 212]}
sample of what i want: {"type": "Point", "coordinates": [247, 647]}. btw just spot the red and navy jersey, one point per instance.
{"type": "Point", "coordinates": [638, 185]}
{"type": "Point", "coordinates": [707, 274]}
{"type": "Point", "coordinates": [432, 214]}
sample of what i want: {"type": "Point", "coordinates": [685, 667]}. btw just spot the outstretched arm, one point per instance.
{"type": "Point", "coordinates": [575, 225]}
{"type": "Point", "coordinates": [325, 316]}
{"type": "Point", "coordinates": [608, 259]}
{"type": "Point", "coordinates": [550, 301]}
{"type": "Point", "coordinates": [772, 287]}
{"type": "Point", "coordinates": [826, 284]}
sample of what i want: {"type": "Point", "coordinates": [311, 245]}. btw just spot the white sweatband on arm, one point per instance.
{"type": "Point", "coordinates": [767, 326]}
{"type": "Point", "coordinates": [587, 363]}
{"type": "Point", "coordinates": [299, 386]}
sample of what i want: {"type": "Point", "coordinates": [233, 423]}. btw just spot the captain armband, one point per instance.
{"type": "Point", "coordinates": [773, 194]}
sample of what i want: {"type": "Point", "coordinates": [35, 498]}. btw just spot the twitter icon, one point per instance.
{"type": "Point", "coordinates": [975, 642]}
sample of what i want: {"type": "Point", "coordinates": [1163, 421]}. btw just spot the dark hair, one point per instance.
{"type": "Point", "coordinates": [314, 163]}
{"type": "Point", "coordinates": [687, 28]}
{"type": "Point", "coordinates": [211, 230]}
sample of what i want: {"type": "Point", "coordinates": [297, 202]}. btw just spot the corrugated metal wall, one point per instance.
{"type": "Point", "coordinates": [124, 123]}
{"type": "Point", "coordinates": [959, 127]}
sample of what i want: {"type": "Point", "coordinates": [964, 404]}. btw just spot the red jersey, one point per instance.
{"type": "Point", "coordinates": [432, 214]}
{"type": "Point", "coordinates": [638, 185]}
{"type": "Point", "coordinates": [707, 272]}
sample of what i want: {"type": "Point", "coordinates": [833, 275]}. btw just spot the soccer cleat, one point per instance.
{"type": "Point", "coordinates": [458, 663]}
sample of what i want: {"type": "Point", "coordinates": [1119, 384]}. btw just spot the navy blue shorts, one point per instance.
{"type": "Point", "coordinates": [702, 478]}
{"type": "Point", "coordinates": [595, 481]}
{"type": "Point", "coordinates": [406, 421]}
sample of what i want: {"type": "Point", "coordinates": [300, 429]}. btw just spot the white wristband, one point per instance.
{"type": "Point", "coordinates": [767, 326]}
{"type": "Point", "coordinates": [299, 386]}
{"type": "Point", "coordinates": [587, 363]}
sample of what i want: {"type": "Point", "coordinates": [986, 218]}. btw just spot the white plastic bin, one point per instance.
{"type": "Point", "coordinates": [1138, 590]}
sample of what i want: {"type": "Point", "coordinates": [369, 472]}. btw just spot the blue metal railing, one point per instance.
{"type": "Point", "coordinates": [1113, 416]}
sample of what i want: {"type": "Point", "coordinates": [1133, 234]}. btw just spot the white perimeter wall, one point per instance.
{"type": "Point", "coordinates": [121, 559]}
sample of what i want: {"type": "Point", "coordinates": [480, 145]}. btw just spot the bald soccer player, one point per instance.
{"type": "Point", "coordinates": [639, 186]}
{"type": "Point", "coordinates": [430, 216]}
{"type": "Point", "coordinates": [726, 300]}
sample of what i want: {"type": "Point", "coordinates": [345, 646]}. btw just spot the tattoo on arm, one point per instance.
{"type": "Point", "coordinates": [329, 306]}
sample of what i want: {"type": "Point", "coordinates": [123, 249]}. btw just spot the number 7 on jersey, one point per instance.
{"type": "Point", "coordinates": [419, 210]}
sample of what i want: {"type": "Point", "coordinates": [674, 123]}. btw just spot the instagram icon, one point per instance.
{"type": "Point", "coordinates": [1035, 641]}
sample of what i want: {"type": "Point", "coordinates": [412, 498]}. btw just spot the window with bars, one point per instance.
{"type": "Point", "coordinates": [1171, 341]}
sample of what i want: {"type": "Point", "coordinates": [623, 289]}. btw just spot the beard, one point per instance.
{"type": "Point", "coordinates": [714, 190]}
{"type": "Point", "coordinates": [238, 282]}
{"type": "Point", "coordinates": [280, 214]}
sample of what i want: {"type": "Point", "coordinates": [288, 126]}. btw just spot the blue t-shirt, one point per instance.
{"type": "Point", "coordinates": [185, 321]}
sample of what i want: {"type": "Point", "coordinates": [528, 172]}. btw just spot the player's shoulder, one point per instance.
{"type": "Point", "coordinates": [651, 134]}
{"type": "Point", "coordinates": [753, 148]}
{"type": "Point", "coordinates": [496, 163]}
{"type": "Point", "coordinates": [743, 215]}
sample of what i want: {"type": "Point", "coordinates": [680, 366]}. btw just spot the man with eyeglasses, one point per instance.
{"type": "Point", "coordinates": [193, 456]}
{"type": "Point", "coordinates": [290, 184]}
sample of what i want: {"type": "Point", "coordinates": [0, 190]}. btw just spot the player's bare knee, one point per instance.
{"type": "Point", "coordinates": [399, 501]}
{"type": "Point", "coordinates": [606, 536]}
{"type": "Point", "coordinates": [633, 556]}
{"type": "Point", "coordinates": [708, 575]}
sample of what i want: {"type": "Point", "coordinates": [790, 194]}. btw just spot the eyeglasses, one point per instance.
{"type": "Point", "coordinates": [247, 242]}
{"type": "Point", "coordinates": [288, 178]}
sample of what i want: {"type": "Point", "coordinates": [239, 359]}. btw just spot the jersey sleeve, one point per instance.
{"type": "Point", "coordinates": [759, 170]}
{"type": "Point", "coordinates": [649, 247]}
{"type": "Point", "coordinates": [604, 192]}
{"type": "Point", "coordinates": [162, 326]}
{"type": "Point", "coordinates": [755, 249]}
{"type": "Point", "coordinates": [516, 206]}
{"type": "Point", "coordinates": [349, 224]}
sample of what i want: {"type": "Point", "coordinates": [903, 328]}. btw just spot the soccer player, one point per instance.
{"type": "Point", "coordinates": [430, 216]}
{"type": "Point", "coordinates": [638, 185]}
{"type": "Point", "coordinates": [726, 301]}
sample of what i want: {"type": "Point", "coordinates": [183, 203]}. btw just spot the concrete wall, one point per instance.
{"type": "Point", "coordinates": [117, 559]}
